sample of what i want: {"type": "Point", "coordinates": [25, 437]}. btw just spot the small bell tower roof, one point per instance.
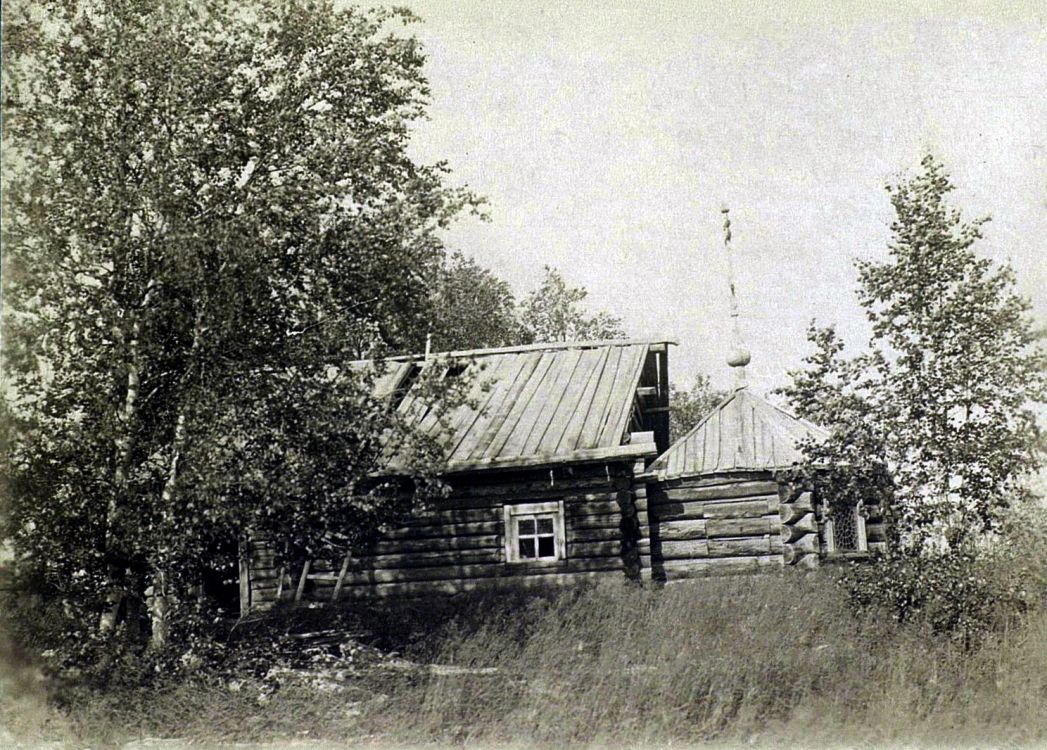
{"type": "Point", "coordinates": [744, 432]}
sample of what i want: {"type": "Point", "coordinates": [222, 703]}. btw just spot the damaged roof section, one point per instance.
{"type": "Point", "coordinates": [539, 404]}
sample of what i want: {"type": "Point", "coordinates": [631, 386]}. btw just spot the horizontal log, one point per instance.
{"type": "Point", "coordinates": [602, 507]}
{"type": "Point", "coordinates": [444, 530]}
{"type": "Point", "coordinates": [678, 512]}
{"type": "Point", "coordinates": [724, 491]}
{"type": "Point", "coordinates": [682, 530]}
{"type": "Point", "coordinates": [684, 549]}
{"type": "Point", "coordinates": [742, 509]}
{"type": "Point", "coordinates": [594, 535]}
{"type": "Point", "coordinates": [439, 517]}
{"type": "Point", "coordinates": [805, 545]}
{"type": "Point", "coordinates": [792, 512]}
{"type": "Point", "coordinates": [459, 503]}
{"type": "Point", "coordinates": [749, 508]}
{"type": "Point", "coordinates": [560, 485]}
{"type": "Point", "coordinates": [804, 500]}
{"type": "Point", "coordinates": [709, 480]}
{"type": "Point", "coordinates": [599, 521]}
{"type": "Point", "coordinates": [875, 532]}
{"type": "Point", "coordinates": [433, 544]}
{"type": "Point", "coordinates": [426, 588]}
{"type": "Point", "coordinates": [753, 545]}
{"type": "Point", "coordinates": [425, 559]}
{"type": "Point", "coordinates": [727, 527]}
{"type": "Point", "coordinates": [713, 566]}
{"type": "Point", "coordinates": [877, 546]}
{"type": "Point", "coordinates": [591, 508]}
{"type": "Point", "coordinates": [594, 549]}
{"type": "Point", "coordinates": [463, 572]}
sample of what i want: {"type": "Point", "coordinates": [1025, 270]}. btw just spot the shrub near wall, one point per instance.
{"type": "Point", "coordinates": [966, 593]}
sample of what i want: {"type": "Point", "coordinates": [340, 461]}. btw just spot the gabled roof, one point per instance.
{"type": "Point", "coordinates": [743, 433]}
{"type": "Point", "coordinates": [533, 405]}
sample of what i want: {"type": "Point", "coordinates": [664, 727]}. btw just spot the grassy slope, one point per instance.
{"type": "Point", "coordinates": [737, 659]}
{"type": "Point", "coordinates": [758, 660]}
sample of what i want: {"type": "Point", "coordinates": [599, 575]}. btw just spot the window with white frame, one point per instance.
{"type": "Point", "coordinates": [535, 532]}
{"type": "Point", "coordinates": [845, 529]}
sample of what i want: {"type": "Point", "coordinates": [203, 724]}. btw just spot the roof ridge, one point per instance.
{"type": "Point", "coordinates": [543, 346]}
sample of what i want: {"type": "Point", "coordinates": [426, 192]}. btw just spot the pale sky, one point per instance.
{"type": "Point", "coordinates": [606, 138]}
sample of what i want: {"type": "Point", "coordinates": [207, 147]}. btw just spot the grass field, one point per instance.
{"type": "Point", "coordinates": [757, 661]}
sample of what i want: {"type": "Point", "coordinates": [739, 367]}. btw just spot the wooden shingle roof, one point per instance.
{"type": "Point", "coordinates": [534, 405]}
{"type": "Point", "coordinates": [743, 433]}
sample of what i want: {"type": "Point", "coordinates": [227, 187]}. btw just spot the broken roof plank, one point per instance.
{"type": "Point", "coordinates": [544, 404]}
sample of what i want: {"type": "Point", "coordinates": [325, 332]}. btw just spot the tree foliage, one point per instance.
{"type": "Point", "coordinates": [214, 210]}
{"type": "Point", "coordinates": [687, 407]}
{"type": "Point", "coordinates": [554, 312]}
{"type": "Point", "coordinates": [936, 413]}
{"type": "Point", "coordinates": [473, 309]}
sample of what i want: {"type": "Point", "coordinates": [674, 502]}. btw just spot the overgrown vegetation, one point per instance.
{"type": "Point", "coordinates": [934, 420]}
{"type": "Point", "coordinates": [213, 213]}
{"type": "Point", "coordinates": [766, 660]}
{"type": "Point", "coordinates": [210, 211]}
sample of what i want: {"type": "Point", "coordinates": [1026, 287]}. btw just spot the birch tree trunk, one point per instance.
{"type": "Point", "coordinates": [123, 444]}
{"type": "Point", "coordinates": [163, 597]}
{"type": "Point", "coordinates": [160, 602]}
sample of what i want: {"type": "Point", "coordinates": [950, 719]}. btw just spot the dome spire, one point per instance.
{"type": "Point", "coordinates": [739, 355]}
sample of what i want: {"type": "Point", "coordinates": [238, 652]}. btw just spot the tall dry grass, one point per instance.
{"type": "Point", "coordinates": [763, 660]}
{"type": "Point", "coordinates": [767, 661]}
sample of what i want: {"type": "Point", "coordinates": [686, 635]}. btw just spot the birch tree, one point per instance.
{"type": "Point", "coordinates": [555, 311]}
{"type": "Point", "coordinates": [937, 412]}
{"type": "Point", "coordinates": [213, 211]}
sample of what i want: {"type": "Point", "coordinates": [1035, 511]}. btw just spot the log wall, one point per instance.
{"type": "Point", "coordinates": [459, 545]}
{"type": "Point", "coordinates": [801, 531]}
{"type": "Point", "coordinates": [711, 525]}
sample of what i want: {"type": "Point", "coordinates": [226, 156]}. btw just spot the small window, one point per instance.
{"type": "Point", "coordinates": [534, 532]}
{"type": "Point", "coordinates": [845, 529]}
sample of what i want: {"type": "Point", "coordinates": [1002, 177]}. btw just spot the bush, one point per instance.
{"type": "Point", "coordinates": [966, 593]}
